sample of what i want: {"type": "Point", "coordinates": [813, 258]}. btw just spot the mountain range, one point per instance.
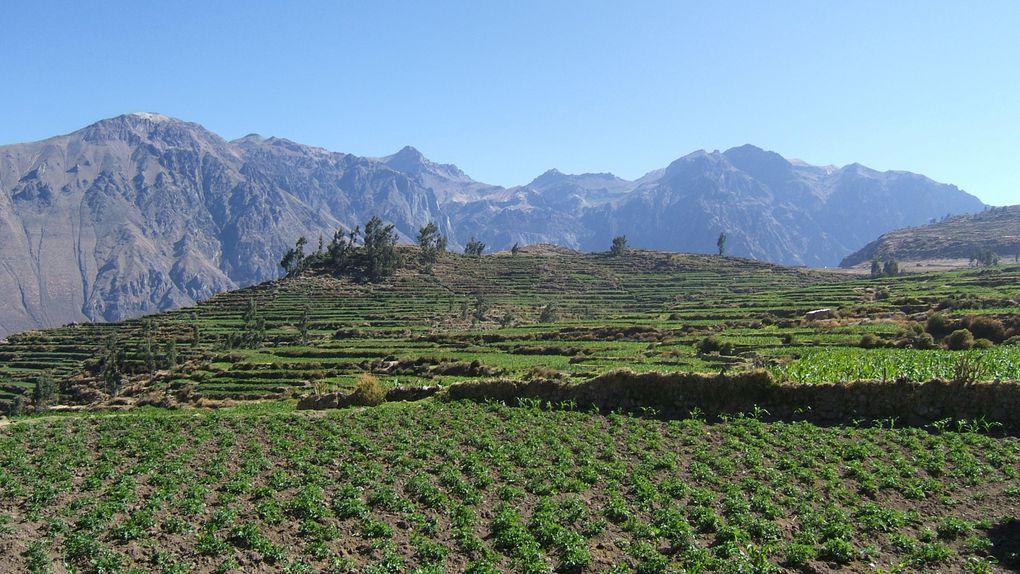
{"type": "Point", "coordinates": [143, 212]}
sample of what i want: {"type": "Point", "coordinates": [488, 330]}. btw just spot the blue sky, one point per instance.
{"type": "Point", "coordinates": [507, 90]}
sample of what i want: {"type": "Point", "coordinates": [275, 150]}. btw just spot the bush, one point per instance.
{"type": "Point", "coordinates": [870, 341]}
{"type": "Point", "coordinates": [986, 328]}
{"type": "Point", "coordinates": [923, 341]}
{"type": "Point", "coordinates": [839, 551]}
{"type": "Point", "coordinates": [712, 344]}
{"type": "Point", "coordinates": [960, 340]}
{"type": "Point", "coordinates": [799, 554]}
{"type": "Point", "coordinates": [369, 392]}
{"type": "Point", "coordinates": [939, 325]}
{"type": "Point", "coordinates": [983, 344]}
{"type": "Point", "coordinates": [549, 314]}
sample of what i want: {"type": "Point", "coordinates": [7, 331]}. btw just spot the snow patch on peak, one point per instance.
{"type": "Point", "coordinates": [152, 116]}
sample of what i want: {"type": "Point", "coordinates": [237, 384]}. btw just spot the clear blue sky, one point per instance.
{"type": "Point", "coordinates": [507, 90]}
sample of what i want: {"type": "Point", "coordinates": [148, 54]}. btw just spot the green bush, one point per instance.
{"type": "Point", "coordinates": [983, 344]}
{"type": "Point", "coordinates": [369, 392]}
{"type": "Point", "coordinates": [839, 551]}
{"type": "Point", "coordinates": [986, 328]}
{"type": "Point", "coordinates": [712, 344]}
{"type": "Point", "coordinates": [960, 340]}
{"type": "Point", "coordinates": [939, 325]}
{"type": "Point", "coordinates": [870, 341]}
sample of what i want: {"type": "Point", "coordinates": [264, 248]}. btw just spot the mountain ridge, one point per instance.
{"type": "Point", "coordinates": [964, 237]}
{"type": "Point", "coordinates": [143, 212]}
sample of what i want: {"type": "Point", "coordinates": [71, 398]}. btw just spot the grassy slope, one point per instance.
{"type": "Point", "coordinates": [960, 237]}
{"type": "Point", "coordinates": [432, 487]}
{"type": "Point", "coordinates": [645, 311]}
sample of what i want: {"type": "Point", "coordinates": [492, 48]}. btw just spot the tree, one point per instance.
{"type": "Point", "coordinates": [44, 391]}
{"type": "Point", "coordinates": [891, 267]}
{"type": "Point", "coordinates": [876, 267]}
{"type": "Point", "coordinates": [985, 257]}
{"type": "Point", "coordinates": [112, 366]}
{"type": "Point", "coordinates": [380, 249]}
{"type": "Point", "coordinates": [170, 354]}
{"type": "Point", "coordinates": [721, 243]}
{"type": "Point", "coordinates": [431, 244]}
{"type": "Point", "coordinates": [619, 246]}
{"type": "Point", "coordinates": [303, 325]}
{"type": "Point", "coordinates": [293, 259]}
{"type": "Point", "coordinates": [515, 249]}
{"type": "Point", "coordinates": [548, 314]}
{"type": "Point", "coordinates": [474, 248]}
{"type": "Point", "coordinates": [342, 248]}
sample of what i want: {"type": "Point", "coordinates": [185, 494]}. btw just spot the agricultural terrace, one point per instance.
{"type": "Point", "coordinates": [483, 487]}
{"type": "Point", "coordinates": [545, 313]}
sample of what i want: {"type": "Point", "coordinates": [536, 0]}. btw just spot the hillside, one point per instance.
{"type": "Point", "coordinates": [151, 478]}
{"type": "Point", "coordinates": [143, 212]}
{"type": "Point", "coordinates": [547, 312]}
{"type": "Point", "coordinates": [962, 237]}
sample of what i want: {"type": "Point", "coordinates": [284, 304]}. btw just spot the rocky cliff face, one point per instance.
{"type": "Point", "coordinates": [143, 212]}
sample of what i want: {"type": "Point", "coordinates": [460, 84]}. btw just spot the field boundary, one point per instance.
{"type": "Point", "coordinates": [679, 394]}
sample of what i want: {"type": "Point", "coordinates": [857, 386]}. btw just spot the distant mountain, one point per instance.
{"type": "Point", "coordinates": [144, 212]}
{"type": "Point", "coordinates": [961, 237]}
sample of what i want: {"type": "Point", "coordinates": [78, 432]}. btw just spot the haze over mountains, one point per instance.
{"type": "Point", "coordinates": [143, 212]}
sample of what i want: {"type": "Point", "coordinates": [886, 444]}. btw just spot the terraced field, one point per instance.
{"type": "Point", "coordinates": [543, 313]}
{"type": "Point", "coordinates": [446, 486]}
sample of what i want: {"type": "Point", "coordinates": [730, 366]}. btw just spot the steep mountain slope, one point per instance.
{"type": "Point", "coordinates": [144, 212]}
{"type": "Point", "coordinates": [771, 208]}
{"type": "Point", "coordinates": [962, 237]}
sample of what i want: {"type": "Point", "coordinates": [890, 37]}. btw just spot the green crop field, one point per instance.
{"type": "Point", "coordinates": [194, 459]}
{"type": "Point", "coordinates": [466, 487]}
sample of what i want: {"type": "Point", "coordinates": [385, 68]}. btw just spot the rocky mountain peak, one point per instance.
{"type": "Point", "coordinates": [412, 162]}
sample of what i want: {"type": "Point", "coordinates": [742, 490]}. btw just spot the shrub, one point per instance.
{"type": "Point", "coordinates": [986, 328]}
{"type": "Point", "coordinates": [939, 325]}
{"type": "Point", "coordinates": [967, 370]}
{"type": "Point", "coordinates": [870, 341]}
{"type": "Point", "coordinates": [712, 344]}
{"type": "Point", "coordinates": [369, 392]}
{"type": "Point", "coordinates": [983, 344]}
{"type": "Point", "coordinates": [923, 341]}
{"type": "Point", "coordinates": [799, 554]}
{"type": "Point", "coordinates": [960, 339]}
{"type": "Point", "coordinates": [549, 314]}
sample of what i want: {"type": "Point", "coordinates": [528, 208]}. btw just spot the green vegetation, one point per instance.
{"type": "Point", "coordinates": [572, 316]}
{"type": "Point", "coordinates": [441, 486]}
{"type": "Point", "coordinates": [488, 488]}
